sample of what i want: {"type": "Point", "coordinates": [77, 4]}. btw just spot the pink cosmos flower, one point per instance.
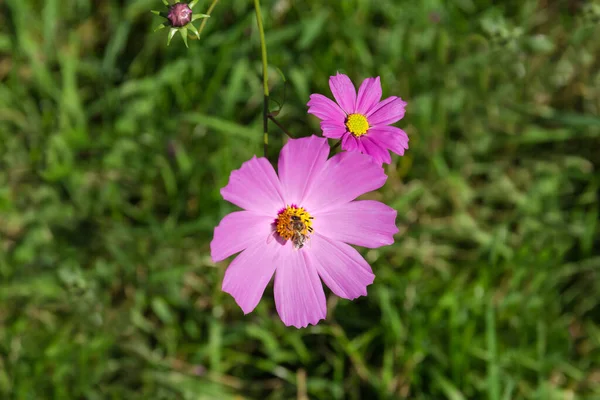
{"type": "Point", "coordinates": [361, 121]}
{"type": "Point", "coordinates": [299, 226]}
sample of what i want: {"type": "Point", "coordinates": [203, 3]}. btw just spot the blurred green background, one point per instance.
{"type": "Point", "coordinates": [113, 148]}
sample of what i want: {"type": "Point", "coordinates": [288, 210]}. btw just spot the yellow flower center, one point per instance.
{"type": "Point", "coordinates": [295, 224]}
{"type": "Point", "coordinates": [357, 124]}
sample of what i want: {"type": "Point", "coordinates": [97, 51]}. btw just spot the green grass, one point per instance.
{"type": "Point", "coordinates": [113, 148]}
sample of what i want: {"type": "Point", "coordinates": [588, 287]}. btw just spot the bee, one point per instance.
{"type": "Point", "coordinates": [298, 238]}
{"type": "Point", "coordinates": [298, 227]}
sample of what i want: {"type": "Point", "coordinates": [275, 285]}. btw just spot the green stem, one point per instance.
{"type": "Point", "coordinates": [205, 20]}
{"type": "Point", "coordinates": [263, 48]}
{"type": "Point", "coordinates": [272, 118]}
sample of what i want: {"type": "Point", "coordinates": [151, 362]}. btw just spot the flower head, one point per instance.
{"type": "Point", "coordinates": [299, 225]}
{"type": "Point", "coordinates": [361, 121]}
{"type": "Point", "coordinates": [180, 14]}
{"type": "Point", "coordinates": [179, 18]}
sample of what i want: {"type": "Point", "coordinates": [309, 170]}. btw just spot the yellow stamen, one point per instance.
{"type": "Point", "coordinates": [293, 220]}
{"type": "Point", "coordinates": [357, 124]}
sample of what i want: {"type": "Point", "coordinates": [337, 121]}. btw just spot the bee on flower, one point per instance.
{"type": "Point", "coordinates": [299, 224]}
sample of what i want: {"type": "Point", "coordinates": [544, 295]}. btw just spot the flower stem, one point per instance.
{"type": "Point", "coordinates": [205, 20]}
{"type": "Point", "coordinates": [272, 118]}
{"type": "Point", "coordinates": [263, 48]}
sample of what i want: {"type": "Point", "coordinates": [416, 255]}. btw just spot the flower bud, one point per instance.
{"type": "Point", "coordinates": [180, 14]}
{"type": "Point", "coordinates": [179, 18]}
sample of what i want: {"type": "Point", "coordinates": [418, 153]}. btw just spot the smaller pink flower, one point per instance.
{"type": "Point", "coordinates": [361, 121]}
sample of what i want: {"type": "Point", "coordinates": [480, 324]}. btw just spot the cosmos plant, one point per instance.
{"type": "Point", "coordinates": [298, 223]}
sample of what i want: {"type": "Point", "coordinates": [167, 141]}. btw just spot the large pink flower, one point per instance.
{"type": "Point", "coordinates": [299, 226]}
{"type": "Point", "coordinates": [361, 121]}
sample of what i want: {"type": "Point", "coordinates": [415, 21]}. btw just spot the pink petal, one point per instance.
{"type": "Point", "coordinates": [359, 145]}
{"type": "Point", "coordinates": [345, 176]}
{"type": "Point", "coordinates": [365, 223]}
{"type": "Point", "coordinates": [237, 231]}
{"type": "Point", "coordinates": [249, 273]}
{"type": "Point", "coordinates": [300, 160]}
{"type": "Point", "coordinates": [369, 95]}
{"type": "Point", "coordinates": [387, 112]}
{"type": "Point", "coordinates": [332, 129]}
{"type": "Point", "coordinates": [299, 296]}
{"type": "Point", "coordinates": [255, 187]}
{"type": "Point", "coordinates": [391, 138]}
{"type": "Point", "coordinates": [341, 267]}
{"type": "Point", "coordinates": [325, 109]}
{"type": "Point", "coordinates": [344, 92]}
{"type": "Point", "coordinates": [350, 143]}
{"type": "Point", "coordinates": [375, 150]}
